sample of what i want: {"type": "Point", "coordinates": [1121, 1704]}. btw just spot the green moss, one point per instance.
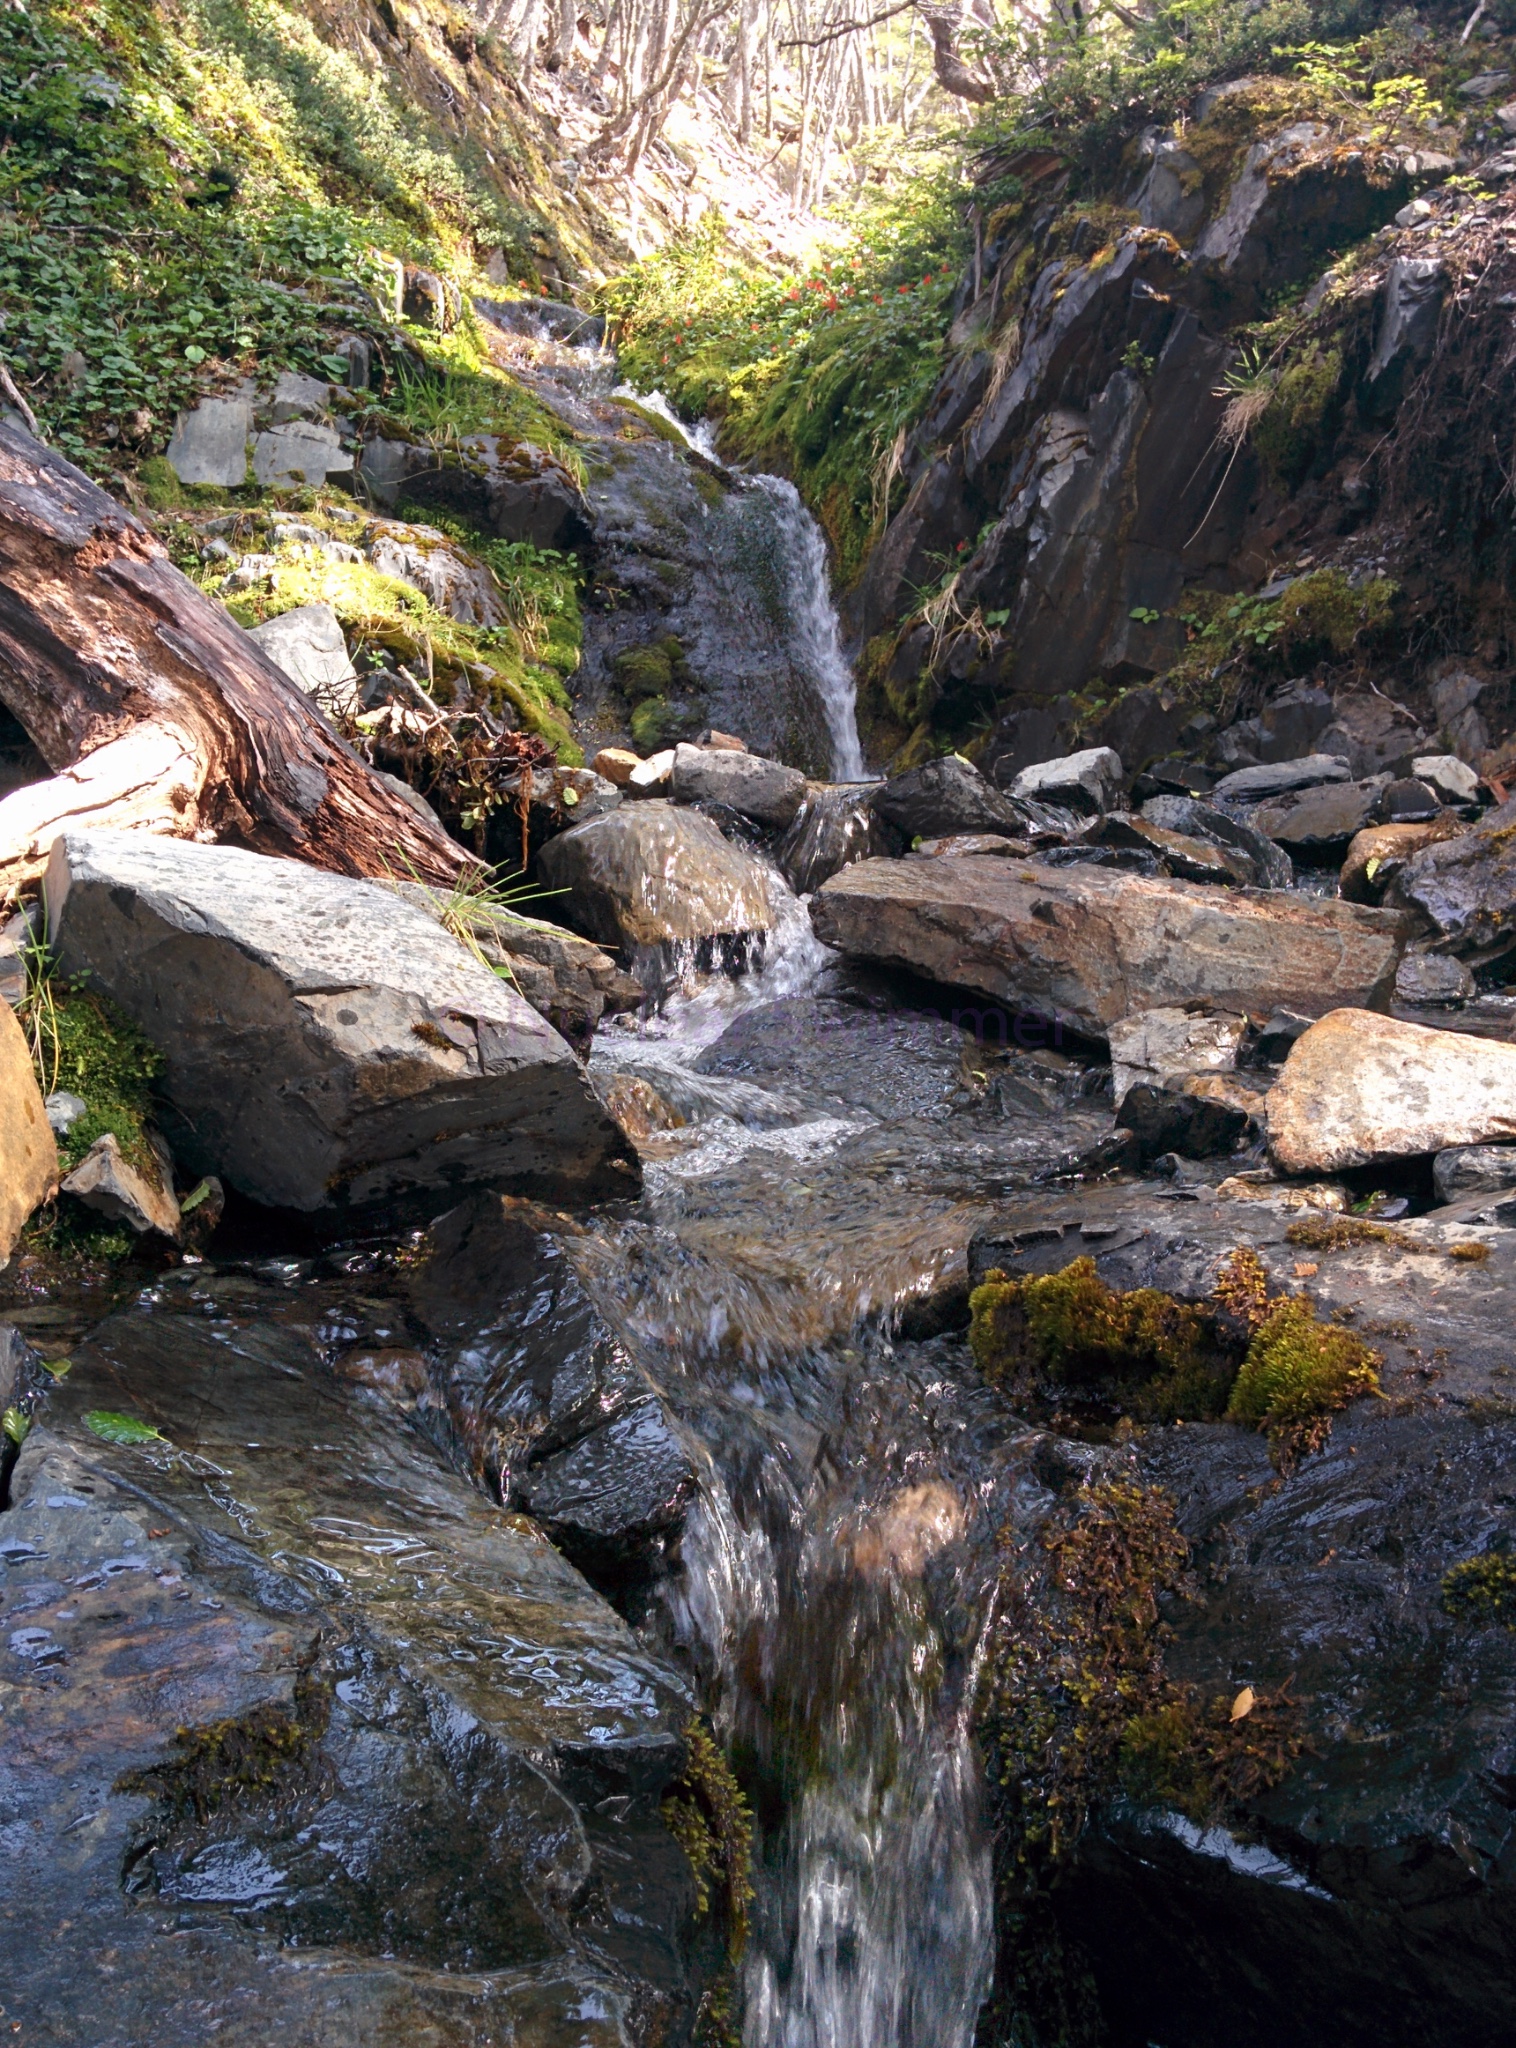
{"type": "Point", "coordinates": [1294, 425]}
{"type": "Point", "coordinates": [258, 1752]}
{"type": "Point", "coordinates": [1325, 611]}
{"type": "Point", "coordinates": [1070, 1333]}
{"type": "Point", "coordinates": [648, 671]}
{"type": "Point", "coordinates": [1297, 1374]}
{"type": "Point", "coordinates": [706, 1813]}
{"type": "Point", "coordinates": [85, 1045]}
{"type": "Point", "coordinates": [1078, 1704]}
{"type": "Point", "coordinates": [1482, 1590]}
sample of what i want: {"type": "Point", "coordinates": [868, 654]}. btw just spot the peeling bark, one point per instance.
{"type": "Point", "coordinates": [155, 710]}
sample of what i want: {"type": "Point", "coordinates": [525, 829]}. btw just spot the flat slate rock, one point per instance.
{"type": "Point", "coordinates": [326, 1044]}
{"type": "Point", "coordinates": [1278, 778]}
{"type": "Point", "coordinates": [1087, 946]}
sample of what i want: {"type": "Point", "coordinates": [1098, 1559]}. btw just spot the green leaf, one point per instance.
{"type": "Point", "coordinates": [194, 353]}
{"type": "Point", "coordinates": [120, 1429]}
{"type": "Point", "coordinates": [336, 367]}
{"type": "Point", "coordinates": [16, 1425]}
{"type": "Point", "coordinates": [60, 1368]}
{"type": "Point", "coordinates": [571, 797]}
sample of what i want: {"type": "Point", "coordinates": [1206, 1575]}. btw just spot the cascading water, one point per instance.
{"type": "Point", "coordinates": [825, 1559]}
{"type": "Point", "coordinates": [802, 565]}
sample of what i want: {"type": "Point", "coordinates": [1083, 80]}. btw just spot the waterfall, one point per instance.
{"type": "Point", "coordinates": [818, 637]}
{"type": "Point", "coordinates": [817, 642]}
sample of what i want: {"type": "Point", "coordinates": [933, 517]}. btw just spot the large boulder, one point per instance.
{"type": "Point", "coordinates": [326, 1045]}
{"type": "Point", "coordinates": [28, 1153]}
{"type": "Point", "coordinates": [1359, 1088]}
{"type": "Point", "coordinates": [1271, 866]}
{"type": "Point", "coordinates": [945, 796]}
{"type": "Point", "coordinates": [1313, 824]}
{"type": "Point", "coordinates": [1087, 945]}
{"type": "Point", "coordinates": [651, 876]}
{"type": "Point", "coordinates": [1280, 778]}
{"type": "Point", "coordinates": [765, 791]}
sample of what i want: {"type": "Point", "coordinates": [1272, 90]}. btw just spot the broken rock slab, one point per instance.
{"type": "Point", "coordinates": [209, 444]}
{"type": "Point", "coordinates": [1156, 1046]}
{"type": "Point", "coordinates": [28, 1152]}
{"type": "Point", "coordinates": [1359, 1089]}
{"type": "Point", "coordinates": [1474, 1170]}
{"type": "Point", "coordinates": [326, 1045]}
{"type": "Point", "coordinates": [765, 791]}
{"type": "Point", "coordinates": [107, 1182]}
{"type": "Point", "coordinates": [304, 452]}
{"type": "Point", "coordinates": [1280, 778]}
{"type": "Point", "coordinates": [309, 645]}
{"type": "Point", "coordinates": [1087, 946]}
{"type": "Point", "coordinates": [1465, 888]}
{"type": "Point", "coordinates": [653, 876]}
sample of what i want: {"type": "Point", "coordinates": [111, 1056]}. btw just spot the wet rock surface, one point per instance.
{"type": "Point", "coordinates": [452, 1822]}
{"type": "Point", "coordinates": [651, 875]}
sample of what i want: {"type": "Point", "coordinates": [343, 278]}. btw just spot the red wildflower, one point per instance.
{"type": "Point", "coordinates": [831, 302]}
{"type": "Point", "coordinates": [905, 287]}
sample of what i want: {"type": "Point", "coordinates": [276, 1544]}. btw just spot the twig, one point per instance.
{"type": "Point", "coordinates": [1472, 23]}
{"type": "Point", "coordinates": [8, 386]}
{"type": "Point", "coordinates": [844, 28]}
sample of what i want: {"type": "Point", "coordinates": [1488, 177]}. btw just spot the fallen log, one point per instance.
{"type": "Point", "coordinates": [155, 710]}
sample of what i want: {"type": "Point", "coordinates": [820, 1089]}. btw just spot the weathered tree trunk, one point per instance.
{"type": "Point", "coordinates": [154, 709]}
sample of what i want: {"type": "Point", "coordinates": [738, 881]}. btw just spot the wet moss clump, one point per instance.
{"type": "Point", "coordinates": [1482, 1590]}
{"type": "Point", "coordinates": [1297, 1374]}
{"type": "Point", "coordinates": [258, 1752]}
{"type": "Point", "coordinates": [1339, 1233]}
{"type": "Point", "coordinates": [706, 1813]}
{"type": "Point", "coordinates": [1079, 1706]}
{"type": "Point", "coordinates": [1294, 424]}
{"type": "Point", "coordinates": [1069, 1334]}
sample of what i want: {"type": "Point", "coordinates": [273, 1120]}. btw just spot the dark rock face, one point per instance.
{"type": "Point", "coordinates": [542, 1397]}
{"type": "Point", "coordinates": [1412, 304]}
{"type": "Point", "coordinates": [451, 1751]}
{"type": "Point", "coordinates": [1315, 823]}
{"type": "Point", "coordinates": [1371, 1895]}
{"type": "Point", "coordinates": [1163, 1121]}
{"type": "Point", "coordinates": [1271, 866]}
{"type": "Point", "coordinates": [1465, 888]}
{"type": "Point", "coordinates": [834, 827]}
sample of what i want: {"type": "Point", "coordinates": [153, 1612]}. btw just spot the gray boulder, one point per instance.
{"type": "Point", "coordinates": [1087, 781]}
{"type": "Point", "coordinates": [209, 444]}
{"type": "Point", "coordinates": [1086, 945]}
{"type": "Point", "coordinates": [1474, 1170]}
{"type": "Point", "coordinates": [1454, 780]}
{"type": "Point", "coordinates": [650, 876]}
{"type": "Point", "coordinates": [766, 791]}
{"type": "Point", "coordinates": [298, 397]}
{"type": "Point", "coordinates": [942, 797]}
{"type": "Point", "coordinates": [1280, 778]}
{"type": "Point", "coordinates": [309, 645]}
{"type": "Point", "coordinates": [326, 1045]}
{"type": "Point", "coordinates": [1414, 289]}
